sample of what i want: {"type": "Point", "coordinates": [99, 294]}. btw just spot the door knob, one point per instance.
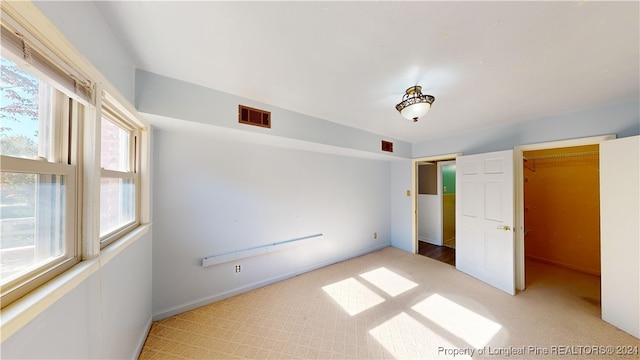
{"type": "Point", "coordinates": [505, 228]}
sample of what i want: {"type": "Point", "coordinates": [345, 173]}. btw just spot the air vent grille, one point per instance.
{"type": "Point", "coordinates": [256, 117]}
{"type": "Point", "coordinates": [387, 146]}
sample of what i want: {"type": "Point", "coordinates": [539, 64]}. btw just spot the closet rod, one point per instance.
{"type": "Point", "coordinates": [562, 156]}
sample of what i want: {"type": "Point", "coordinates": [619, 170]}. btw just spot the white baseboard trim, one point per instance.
{"type": "Point", "coordinates": [142, 339]}
{"type": "Point", "coordinates": [430, 241]}
{"type": "Point", "coordinates": [240, 290]}
{"type": "Point", "coordinates": [342, 258]}
{"type": "Point", "coordinates": [563, 265]}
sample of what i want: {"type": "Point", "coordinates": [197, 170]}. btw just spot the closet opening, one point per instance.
{"type": "Point", "coordinates": [562, 220]}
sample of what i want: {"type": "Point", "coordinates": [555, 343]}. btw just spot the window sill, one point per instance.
{"type": "Point", "coordinates": [22, 311]}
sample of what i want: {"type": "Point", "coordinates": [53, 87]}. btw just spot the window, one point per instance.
{"type": "Point", "coordinates": [119, 176]}
{"type": "Point", "coordinates": [37, 182]}
{"type": "Point", "coordinates": [70, 169]}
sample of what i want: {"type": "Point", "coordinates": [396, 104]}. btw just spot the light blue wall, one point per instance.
{"type": "Point", "coordinates": [105, 317]}
{"type": "Point", "coordinates": [126, 293]}
{"type": "Point", "coordinates": [164, 96]}
{"type": "Point", "coordinates": [220, 186]}
{"type": "Point", "coordinates": [621, 119]}
{"type": "Point", "coordinates": [70, 328]}
{"type": "Point", "coordinates": [213, 195]}
{"type": "Point", "coordinates": [401, 208]}
{"type": "Point", "coordinates": [83, 25]}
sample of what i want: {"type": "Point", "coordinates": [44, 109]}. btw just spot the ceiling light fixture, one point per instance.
{"type": "Point", "coordinates": [414, 104]}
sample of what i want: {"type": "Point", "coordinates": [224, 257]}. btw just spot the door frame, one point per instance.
{"type": "Point", "coordinates": [414, 191]}
{"type": "Point", "coordinates": [518, 173]}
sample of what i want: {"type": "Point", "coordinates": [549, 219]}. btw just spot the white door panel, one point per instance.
{"type": "Point", "coordinates": [485, 241]}
{"type": "Point", "coordinates": [474, 250]}
{"type": "Point", "coordinates": [493, 209]}
{"type": "Point", "coordinates": [468, 167]}
{"type": "Point", "coordinates": [469, 204]}
{"type": "Point", "coordinates": [620, 233]}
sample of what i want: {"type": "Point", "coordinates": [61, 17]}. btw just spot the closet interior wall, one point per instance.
{"type": "Point", "coordinates": [562, 207]}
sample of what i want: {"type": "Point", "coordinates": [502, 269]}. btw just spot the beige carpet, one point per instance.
{"type": "Point", "coordinates": [392, 304]}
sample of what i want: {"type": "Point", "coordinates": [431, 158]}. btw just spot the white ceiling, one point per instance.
{"type": "Point", "coordinates": [486, 63]}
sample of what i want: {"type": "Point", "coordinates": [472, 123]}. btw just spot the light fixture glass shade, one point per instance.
{"type": "Point", "coordinates": [414, 104]}
{"type": "Point", "coordinates": [415, 111]}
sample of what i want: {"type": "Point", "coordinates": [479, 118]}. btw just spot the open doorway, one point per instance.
{"type": "Point", "coordinates": [520, 172]}
{"type": "Point", "coordinates": [435, 209]}
{"type": "Point", "coordinates": [561, 217]}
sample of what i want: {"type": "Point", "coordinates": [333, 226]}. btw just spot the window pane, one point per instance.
{"type": "Point", "coordinates": [26, 108]}
{"type": "Point", "coordinates": [117, 202]}
{"type": "Point", "coordinates": [32, 216]}
{"type": "Point", "coordinates": [115, 147]}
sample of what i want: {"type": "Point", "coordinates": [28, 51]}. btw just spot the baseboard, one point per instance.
{"type": "Point", "coordinates": [142, 339]}
{"type": "Point", "coordinates": [240, 290]}
{"type": "Point", "coordinates": [563, 265]}
{"type": "Point", "coordinates": [342, 258]}
{"type": "Point", "coordinates": [430, 241]}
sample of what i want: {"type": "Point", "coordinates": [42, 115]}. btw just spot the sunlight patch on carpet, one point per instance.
{"type": "Point", "coordinates": [406, 338]}
{"type": "Point", "coordinates": [388, 281]}
{"type": "Point", "coordinates": [352, 296]}
{"type": "Point", "coordinates": [461, 322]}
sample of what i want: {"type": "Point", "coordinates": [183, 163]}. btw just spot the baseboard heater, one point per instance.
{"type": "Point", "coordinates": [254, 251]}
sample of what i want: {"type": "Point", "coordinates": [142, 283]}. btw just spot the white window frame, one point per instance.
{"type": "Point", "coordinates": [37, 276]}
{"type": "Point", "coordinates": [110, 113]}
{"type": "Point", "coordinates": [84, 155]}
{"type": "Point", "coordinates": [78, 159]}
{"type": "Point", "coordinates": [58, 162]}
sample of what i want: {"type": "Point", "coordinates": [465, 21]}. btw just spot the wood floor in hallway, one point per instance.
{"type": "Point", "coordinates": [440, 253]}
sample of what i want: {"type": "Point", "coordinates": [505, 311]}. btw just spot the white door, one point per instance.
{"type": "Point", "coordinates": [484, 218]}
{"type": "Point", "coordinates": [619, 233]}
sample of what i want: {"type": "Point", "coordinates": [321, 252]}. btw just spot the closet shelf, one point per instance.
{"type": "Point", "coordinates": [561, 156]}
{"type": "Point", "coordinates": [530, 161]}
